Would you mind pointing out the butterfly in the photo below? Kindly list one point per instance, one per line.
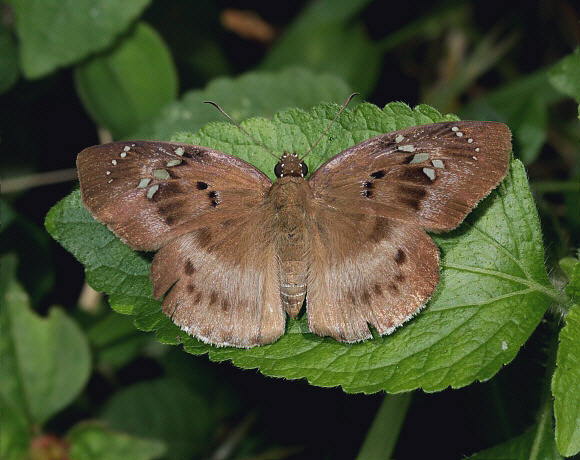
(236, 252)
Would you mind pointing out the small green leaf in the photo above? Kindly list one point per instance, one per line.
(567, 265)
(92, 441)
(573, 287)
(535, 443)
(249, 95)
(129, 84)
(45, 361)
(8, 60)
(54, 34)
(566, 384)
(172, 413)
(493, 293)
(328, 37)
(565, 75)
(14, 430)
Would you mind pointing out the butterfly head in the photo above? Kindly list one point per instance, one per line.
(290, 166)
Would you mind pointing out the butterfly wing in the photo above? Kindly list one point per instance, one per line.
(204, 209)
(382, 267)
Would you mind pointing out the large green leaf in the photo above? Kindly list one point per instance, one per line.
(566, 380)
(173, 413)
(493, 293)
(130, 83)
(92, 441)
(249, 95)
(46, 362)
(54, 33)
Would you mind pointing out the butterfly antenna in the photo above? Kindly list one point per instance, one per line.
(330, 125)
(238, 125)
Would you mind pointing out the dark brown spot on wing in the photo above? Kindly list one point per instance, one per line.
(201, 185)
(204, 237)
(190, 288)
(415, 175)
(213, 298)
(351, 296)
(400, 256)
(194, 152)
(214, 198)
(224, 304)
(377, 289)
(188, 268)
(366, 297)
(380, 230)
(378, 174)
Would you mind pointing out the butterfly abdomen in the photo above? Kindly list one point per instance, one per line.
(290, 199)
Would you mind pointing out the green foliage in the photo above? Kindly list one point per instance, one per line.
(129, 84)
(83, 381)
(54, 34)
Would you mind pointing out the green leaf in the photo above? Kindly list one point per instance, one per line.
(129, 84)
(14, 430)
(565, 75)
(523, 105)
(535, 443)
(252, 94)
(8, 60)
(54, 34)
(92, 441)
(45, 361)
(162, 409)
(567, 265)
(327, 36)
(573, 287)
(493, 293)
(566, 384)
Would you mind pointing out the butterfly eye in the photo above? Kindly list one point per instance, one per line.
(278, 170)
(303, 169)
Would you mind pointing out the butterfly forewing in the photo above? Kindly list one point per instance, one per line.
(435, 173)
(150, 192)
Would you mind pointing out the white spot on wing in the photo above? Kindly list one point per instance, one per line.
(161, 174)
(179, 151)
(127, 148)
(175, 162)
(419, 158)
(438, 164)
(143, 183)
(430, 173)
(399, 138)
(406, 148)
(152, 191)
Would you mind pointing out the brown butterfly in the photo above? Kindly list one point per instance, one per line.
(237, 252)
